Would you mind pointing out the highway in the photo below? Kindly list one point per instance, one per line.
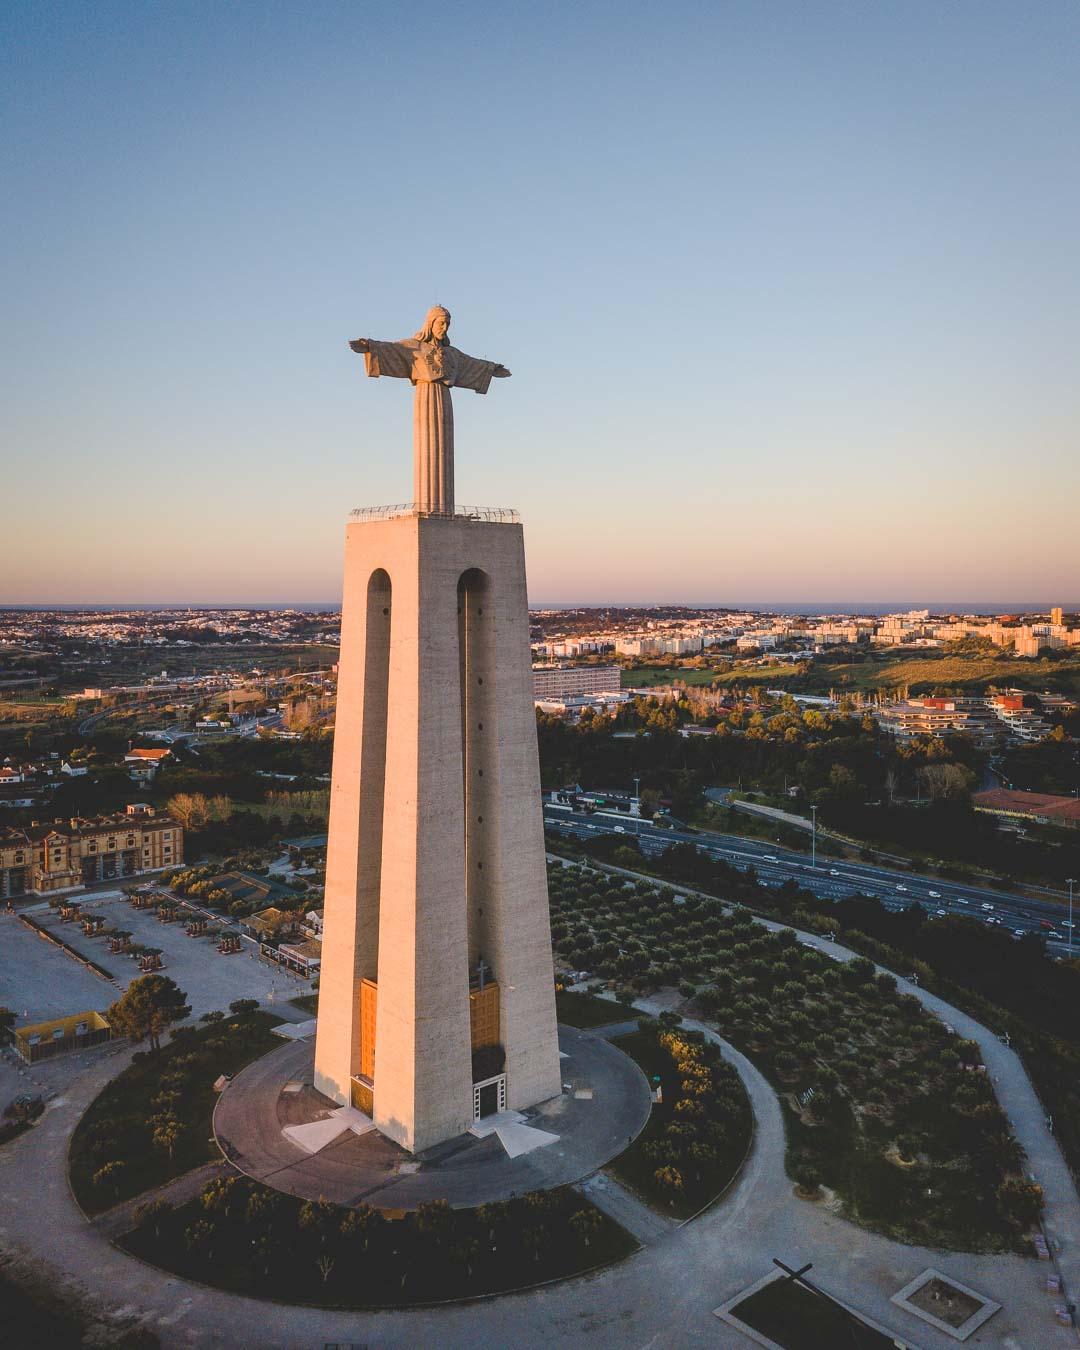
(833, 879)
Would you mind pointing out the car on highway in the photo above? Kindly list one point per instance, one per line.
(833, 872)
(769, 858)
(934, 895)
(961, 901)
(986, 907)
(1067, 923)
(1018, 932)
(942, 913)
(901, 888)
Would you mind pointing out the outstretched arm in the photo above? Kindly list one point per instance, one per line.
(385, 358)
(472, 373)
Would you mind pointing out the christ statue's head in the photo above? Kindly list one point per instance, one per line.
(435, 325)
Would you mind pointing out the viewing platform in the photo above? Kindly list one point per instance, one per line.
(501, 515)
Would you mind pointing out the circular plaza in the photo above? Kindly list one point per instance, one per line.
(273, 1126)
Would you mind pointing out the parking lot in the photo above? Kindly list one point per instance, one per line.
(40, 981)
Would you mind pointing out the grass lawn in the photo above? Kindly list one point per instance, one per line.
(638, 677)
(248, 1239)
(878, 671)
(798, 1319)
(117, 1126)
(969, 673)
(724, 1128)
(586, 1010)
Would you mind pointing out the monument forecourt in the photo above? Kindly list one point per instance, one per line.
(436, 1001)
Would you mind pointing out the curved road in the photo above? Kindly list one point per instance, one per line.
(835, 879)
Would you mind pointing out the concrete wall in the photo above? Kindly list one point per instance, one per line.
(435, 719)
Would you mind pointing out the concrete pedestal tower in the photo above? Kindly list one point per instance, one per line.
(436, 999)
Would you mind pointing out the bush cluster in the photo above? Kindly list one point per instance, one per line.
(243, 1236)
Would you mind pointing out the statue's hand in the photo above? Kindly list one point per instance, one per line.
(500, 372)
(359, 344)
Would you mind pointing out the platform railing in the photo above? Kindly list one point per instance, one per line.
(503, 515)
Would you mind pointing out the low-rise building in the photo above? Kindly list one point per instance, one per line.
(43, 1040)
(143, 765)
(939, 717)
(1041, 807)
(304, 958)
(268, 922)
(66, 855)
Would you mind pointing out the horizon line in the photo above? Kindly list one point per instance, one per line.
(938, 606)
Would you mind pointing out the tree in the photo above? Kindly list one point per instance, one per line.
(1020, 1201)
(262, 1205)
(489, 1216)
(586, 1224)
(149, 1004)
(434, 1219)
(536, 1238)
(668, 1177)
(167, 1135)
(464, 1252)
(807, 1178)
(191, 809)
(110, 1175)
(317, 1216)
(218, 1196)
(325, 1264)
(199, 1237)
(361, 1222)
(243, 1005)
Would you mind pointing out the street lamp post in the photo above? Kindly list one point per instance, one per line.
(813, 839)
(1070, 882)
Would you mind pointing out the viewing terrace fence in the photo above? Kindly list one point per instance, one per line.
(499, 515)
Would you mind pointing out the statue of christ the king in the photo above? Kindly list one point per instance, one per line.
(429, 362)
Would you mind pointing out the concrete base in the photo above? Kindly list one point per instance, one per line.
(552, 1144)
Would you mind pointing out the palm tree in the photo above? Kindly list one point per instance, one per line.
(167, 1135)
(586, 1223)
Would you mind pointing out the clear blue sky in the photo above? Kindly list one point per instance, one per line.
(790, 292)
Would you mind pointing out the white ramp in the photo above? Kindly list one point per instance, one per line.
(316, 1134)
(515, 1136)
(295, 1031)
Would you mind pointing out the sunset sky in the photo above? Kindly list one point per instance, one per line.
(789, 291)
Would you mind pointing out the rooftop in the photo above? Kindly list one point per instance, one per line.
(1042, 804)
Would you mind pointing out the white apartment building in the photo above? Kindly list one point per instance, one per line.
(556, 684)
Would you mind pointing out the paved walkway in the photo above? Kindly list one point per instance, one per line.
(621, 1204)
(119, 1220)
(662, 1297)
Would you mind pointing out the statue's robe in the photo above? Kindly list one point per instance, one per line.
(432, 368)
